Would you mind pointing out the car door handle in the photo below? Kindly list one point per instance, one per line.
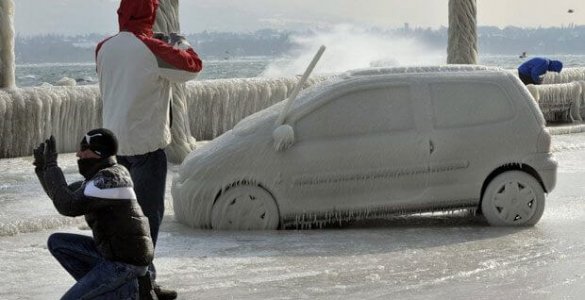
(431, 146)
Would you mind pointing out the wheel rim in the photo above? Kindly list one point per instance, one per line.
(514, 202)
(245, 208)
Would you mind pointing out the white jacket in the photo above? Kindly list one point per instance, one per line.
(135, 72)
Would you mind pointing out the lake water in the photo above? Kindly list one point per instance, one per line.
(245, 67)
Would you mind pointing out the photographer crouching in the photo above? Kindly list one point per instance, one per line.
(112, 264)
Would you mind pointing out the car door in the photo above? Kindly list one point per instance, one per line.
(361, 150)
(471, 120)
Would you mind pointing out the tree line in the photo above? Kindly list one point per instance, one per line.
(268, 42)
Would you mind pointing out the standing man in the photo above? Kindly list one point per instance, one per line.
(113, 263)
(531, 70)
(135, 70)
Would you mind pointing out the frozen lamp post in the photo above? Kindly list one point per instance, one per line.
(462, 48)
(167, 20)
(7, 77)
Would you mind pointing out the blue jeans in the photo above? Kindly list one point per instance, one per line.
(149, 174)
(97, 277)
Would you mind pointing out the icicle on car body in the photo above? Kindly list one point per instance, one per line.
(377, 142)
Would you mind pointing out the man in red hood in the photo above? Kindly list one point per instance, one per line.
(135, 72)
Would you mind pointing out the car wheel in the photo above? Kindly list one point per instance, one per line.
(245, 207)
(513, 198)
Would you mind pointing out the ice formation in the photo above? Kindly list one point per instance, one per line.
(167, 21)
(462, 47)
(7, 66)
(561, 101)
(29, 115)
(215, 106)
(363, 147)
(66, 81)
(565, 76)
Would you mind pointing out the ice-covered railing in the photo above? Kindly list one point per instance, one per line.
(215, 106)
(565, 76)
(561, 96)
(29, 115)
(561, 101)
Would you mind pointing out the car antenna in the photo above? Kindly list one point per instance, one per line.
(297, 88)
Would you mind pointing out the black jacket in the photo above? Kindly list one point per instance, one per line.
(120, 229)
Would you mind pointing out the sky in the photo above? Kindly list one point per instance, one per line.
(71, 17)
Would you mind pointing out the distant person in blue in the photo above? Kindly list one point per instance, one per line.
(531, 70)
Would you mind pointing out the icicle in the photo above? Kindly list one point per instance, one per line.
(565, 76)
(212, 107)
(560, 101)
(182, 143)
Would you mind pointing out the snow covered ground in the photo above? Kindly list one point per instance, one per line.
(441, 256)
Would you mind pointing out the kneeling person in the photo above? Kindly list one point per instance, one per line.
(114, 262)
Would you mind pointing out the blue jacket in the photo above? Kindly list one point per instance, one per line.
(538, 66)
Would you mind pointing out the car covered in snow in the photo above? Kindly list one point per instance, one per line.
(376, 142)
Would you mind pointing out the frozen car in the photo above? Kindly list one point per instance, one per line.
(376, 142)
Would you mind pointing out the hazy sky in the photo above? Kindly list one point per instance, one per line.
(87, 16)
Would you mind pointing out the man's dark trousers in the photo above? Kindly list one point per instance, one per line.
(149, 174)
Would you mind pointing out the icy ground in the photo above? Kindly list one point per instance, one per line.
(452, 256)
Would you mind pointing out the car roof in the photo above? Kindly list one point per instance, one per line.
(376, 71)
(358, 76)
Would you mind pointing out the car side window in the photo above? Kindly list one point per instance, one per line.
(469, 103)
(362, 112)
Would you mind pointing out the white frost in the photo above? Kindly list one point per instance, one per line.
(462, 47)
(30, 115)
(559, 102)
(565, 76)
(7, 58)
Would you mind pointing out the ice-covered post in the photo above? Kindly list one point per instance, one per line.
(7, 77)
(462, 48)
(167, 20)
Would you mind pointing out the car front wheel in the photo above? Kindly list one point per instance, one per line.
(245, 207)
(513, 198)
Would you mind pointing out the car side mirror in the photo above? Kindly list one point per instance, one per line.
(284, 137)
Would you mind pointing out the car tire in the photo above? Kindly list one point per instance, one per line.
(245, 207)
(513, 198)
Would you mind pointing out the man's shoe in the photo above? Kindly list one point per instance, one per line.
(164, 294)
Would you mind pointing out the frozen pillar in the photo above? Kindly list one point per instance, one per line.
(462, 48)
(7, 77)
(167, 20)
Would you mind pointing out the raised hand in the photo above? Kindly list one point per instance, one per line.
(39, 156)
(50, 153)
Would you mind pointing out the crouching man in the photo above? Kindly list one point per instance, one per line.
(112, 264)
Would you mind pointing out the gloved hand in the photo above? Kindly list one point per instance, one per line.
(162, 36)
(50, 153)
(179, 41)
(39, 155)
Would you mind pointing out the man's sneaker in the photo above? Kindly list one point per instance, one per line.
(164, 294)
(145, 290)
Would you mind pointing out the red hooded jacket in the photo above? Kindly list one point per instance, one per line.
(138, 17)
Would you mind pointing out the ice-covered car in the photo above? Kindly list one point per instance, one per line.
(376, 142)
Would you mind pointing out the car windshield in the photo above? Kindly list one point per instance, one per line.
(323, 84)
(320, 84)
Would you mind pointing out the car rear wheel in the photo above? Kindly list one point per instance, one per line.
(245, 207)
(513, 198)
